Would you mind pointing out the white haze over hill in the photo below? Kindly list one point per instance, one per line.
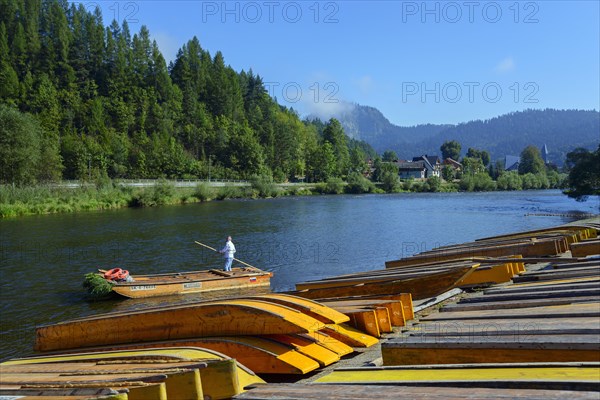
(325, 110)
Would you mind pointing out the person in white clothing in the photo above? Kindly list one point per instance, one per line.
(228, 251)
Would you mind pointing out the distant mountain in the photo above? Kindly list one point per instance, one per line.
(369, 124)
(508, 134)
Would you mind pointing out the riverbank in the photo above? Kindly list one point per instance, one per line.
(69, 198)
(51, 199)
(16, 201)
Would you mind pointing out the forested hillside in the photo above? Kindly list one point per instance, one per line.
(561, 130)
(101, 101)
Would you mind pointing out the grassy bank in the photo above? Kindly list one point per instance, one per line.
(31, 200)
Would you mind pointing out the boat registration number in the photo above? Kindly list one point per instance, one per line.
(192, 285)
(143, 287)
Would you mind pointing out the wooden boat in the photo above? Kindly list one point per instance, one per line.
(393, 307)
(308, 347)
(357, 390)
(349, 335)
(260, 355)
(516, 346)
(65, 394)
(309, 307)
(176, 372)
(526, 247)
(421, 287)
(191, 282)
(533, 375)
(220, 318)
(405, 300)
(586, 248)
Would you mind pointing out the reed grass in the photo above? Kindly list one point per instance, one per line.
(97, 287)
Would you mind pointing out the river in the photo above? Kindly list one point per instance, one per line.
(43, 258)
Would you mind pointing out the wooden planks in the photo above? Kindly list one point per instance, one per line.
(538, 321)
(585, 248)
(394, 392)
(174, 373)
(557, 376)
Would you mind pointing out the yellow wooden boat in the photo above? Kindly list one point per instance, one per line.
(219, 377)
(180, 379)
(394, 307)
(258, 354)
(142, 286)
(349, 335)
(475, 347)
(533, 375)
(309, 307)
(421, 287)
(330, 343)
(308, 347)
(64, 394)
(233, 317)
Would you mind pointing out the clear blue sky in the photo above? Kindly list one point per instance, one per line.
(417, 62)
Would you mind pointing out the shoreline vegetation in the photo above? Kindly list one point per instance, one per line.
(16, 201)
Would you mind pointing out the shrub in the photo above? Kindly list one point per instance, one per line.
(204, 192)
(480, 182)
(510, 181)
(264, 185)
(530, 181)
(163, 191)
(390, 181)
(229, 192)
(334, 186)
(359, 184)
(434, 184)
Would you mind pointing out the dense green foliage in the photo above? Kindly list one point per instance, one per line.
(98, 101)
(389, 155)
(483, 155)
(584, 175)
(20, 147)
(531, 161)
(450, 149)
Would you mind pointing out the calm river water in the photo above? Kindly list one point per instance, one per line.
(43, 259)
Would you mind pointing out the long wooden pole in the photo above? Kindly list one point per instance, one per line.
(216, 251)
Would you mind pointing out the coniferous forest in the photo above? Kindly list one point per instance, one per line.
(80, 100)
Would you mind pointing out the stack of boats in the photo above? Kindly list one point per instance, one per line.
(535, 337)
(273, 333)
(152, 374)
(529, 330)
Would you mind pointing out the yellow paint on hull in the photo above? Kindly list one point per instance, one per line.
(364, 320)
(489, 275)
(219, 367)
(57, 394)
(564, 373)
(150, 392)
(257, 354)
(351, 336)
(332, 344)
(235, 317)
(309, 307)
(308, 347)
